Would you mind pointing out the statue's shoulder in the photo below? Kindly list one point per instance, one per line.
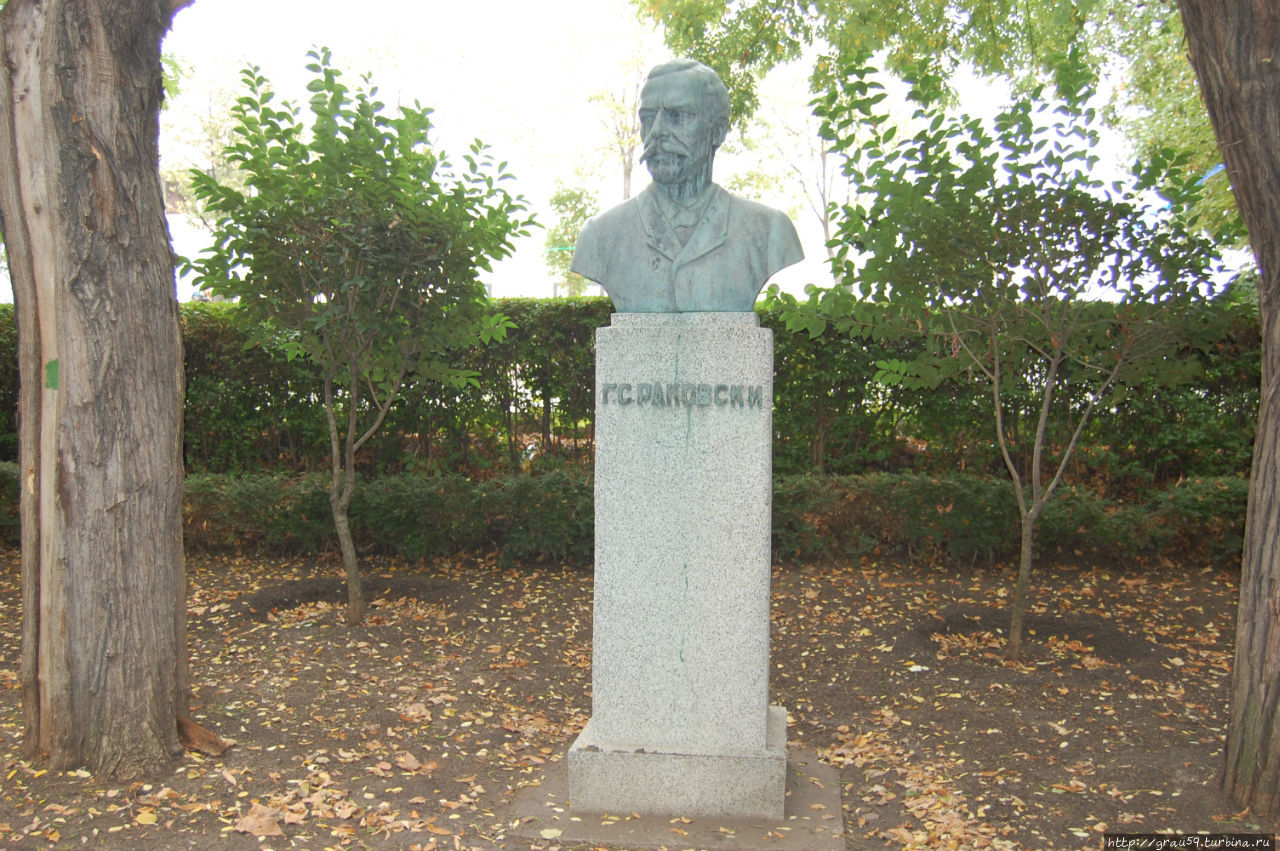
(604, 238)
(773, 229)
(613, 221)
(755, 210)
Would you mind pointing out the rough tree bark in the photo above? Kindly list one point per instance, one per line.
(100, 357)
(1235, 50)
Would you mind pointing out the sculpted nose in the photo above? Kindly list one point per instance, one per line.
(659, 126)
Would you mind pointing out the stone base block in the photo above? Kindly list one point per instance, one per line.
(729, 785)
(683, 490)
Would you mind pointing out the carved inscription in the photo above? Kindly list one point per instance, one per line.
(658, 395)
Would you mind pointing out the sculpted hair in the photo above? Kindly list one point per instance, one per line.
(714, 93)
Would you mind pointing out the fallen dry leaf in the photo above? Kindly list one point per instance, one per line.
(260, 821)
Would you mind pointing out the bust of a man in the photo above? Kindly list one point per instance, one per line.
(684, 244)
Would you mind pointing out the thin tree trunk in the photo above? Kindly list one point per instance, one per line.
(546, 414)
(1013, 650)
(100, 356)
(1235, 50)
(342, 521)
(342, 485)
(818, 442)
(341, 503)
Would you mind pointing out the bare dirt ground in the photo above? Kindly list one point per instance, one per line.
(468, 682)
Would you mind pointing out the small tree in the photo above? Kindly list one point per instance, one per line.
(620, 110)
(1012, 265)
(360, 246)
(573, 205)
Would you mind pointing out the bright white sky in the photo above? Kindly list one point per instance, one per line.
(517, 74)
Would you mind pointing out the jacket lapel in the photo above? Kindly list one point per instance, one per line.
(711, 232)
(657, 233)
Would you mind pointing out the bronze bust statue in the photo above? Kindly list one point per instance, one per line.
(684, 244)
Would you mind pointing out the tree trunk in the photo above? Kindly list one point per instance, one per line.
(546, 413)
(1013, 650)
(342, 487)
(1235, 50)
(818, 441)
(100, 357)
(340, 501)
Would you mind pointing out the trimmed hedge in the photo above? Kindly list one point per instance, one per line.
(956, 518)
(251, 410)
(532, 407)
(522, 518)
(969, 519)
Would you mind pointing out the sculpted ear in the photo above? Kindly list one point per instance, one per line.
(718, 133)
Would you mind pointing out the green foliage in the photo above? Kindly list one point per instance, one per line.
(10, 520)
(1205, 516)
(990, 246)
(546, 517)
(1158, 106)
(358, 247)
(955, 516)
(542, 377)
(743, 41)
(173, 71)
(248, 407)
(357, 244)
(203, 122)
(521, 518)
(421, 516)
(572, 206)
(962, 519)
(825, 419)
(268, 513)
(1154, 433)
(996, 247)
(9, 384)
(1081, 518)
(740, 41)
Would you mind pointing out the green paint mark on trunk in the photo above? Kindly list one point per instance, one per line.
(51, 374)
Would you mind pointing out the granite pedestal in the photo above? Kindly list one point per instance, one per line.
(681, 722)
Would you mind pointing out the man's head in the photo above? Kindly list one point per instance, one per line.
(684, 117)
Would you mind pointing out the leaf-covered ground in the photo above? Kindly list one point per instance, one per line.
(468, 681)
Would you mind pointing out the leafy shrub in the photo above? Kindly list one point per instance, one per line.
(550, 516)
(522, 518)
(1072, 515)
(9, 385)
(956, 519)
(963, 519)
(419, 516)
(250, 409)
(10, 522)
(957, 516)
(269, 513)
(1204, 516)
(803, 508)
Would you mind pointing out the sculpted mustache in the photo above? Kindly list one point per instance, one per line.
(651, 151)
